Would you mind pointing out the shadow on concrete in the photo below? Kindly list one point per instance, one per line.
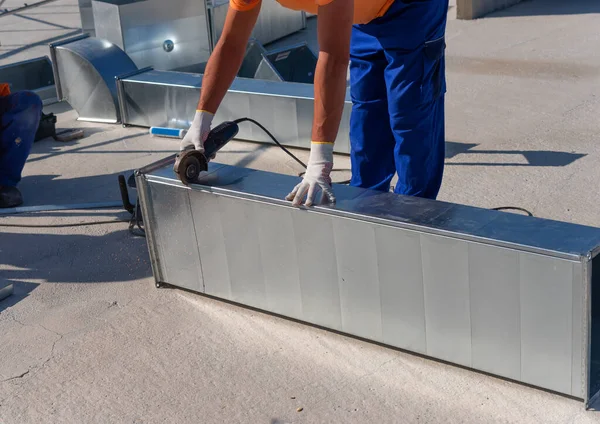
(549, 7)
(57, 108)
(49, 144)
(551, 70)
(54, 190)
(112, 257)
(20, 291)
(41, 21)
(533, 157)
(50, 148)
(13, 52)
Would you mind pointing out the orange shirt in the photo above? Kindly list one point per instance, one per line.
(4, 89)
(364, 10)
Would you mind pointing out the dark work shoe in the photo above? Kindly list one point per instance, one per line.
(10, 197)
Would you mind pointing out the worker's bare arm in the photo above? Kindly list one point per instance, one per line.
(226, 59)
(334, 28)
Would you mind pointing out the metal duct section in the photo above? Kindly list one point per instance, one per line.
(169, 99)
(274, 21)
(506, 294)
(166, 35)
(84, 72)
(86, 13)
(33, 75)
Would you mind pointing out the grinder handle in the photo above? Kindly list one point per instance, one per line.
(219, 136)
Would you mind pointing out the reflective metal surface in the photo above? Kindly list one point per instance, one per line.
(274, 21)
(144, 28)
(501, 293)
(86, 14)
(252, 59)
(84, 70)
(266, 71)
(33, 75)
(504, 294)
(6, 289)
(169, 99)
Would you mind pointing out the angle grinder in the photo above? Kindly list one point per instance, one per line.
(190, 163)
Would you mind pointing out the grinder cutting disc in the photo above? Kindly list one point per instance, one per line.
(188, 166)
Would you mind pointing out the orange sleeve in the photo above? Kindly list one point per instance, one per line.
(243, 5)
(323, 2)
(4, 89)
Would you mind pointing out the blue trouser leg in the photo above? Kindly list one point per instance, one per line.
(397, 86)
(19, 120)
(371, 137)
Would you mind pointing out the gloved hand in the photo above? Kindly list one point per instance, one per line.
(317, 176)
(198, 132)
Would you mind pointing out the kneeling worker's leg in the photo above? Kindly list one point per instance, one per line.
(19, 122)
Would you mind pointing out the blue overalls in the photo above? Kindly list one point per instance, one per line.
(20, 115)
(397, 78)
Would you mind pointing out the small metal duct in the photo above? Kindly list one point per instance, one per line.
(274, 21)
(84, 72)
(33, 75)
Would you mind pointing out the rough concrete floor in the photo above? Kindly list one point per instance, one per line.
(86, 338)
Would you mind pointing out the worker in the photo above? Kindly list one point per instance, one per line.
(397, 84)
(20, 114)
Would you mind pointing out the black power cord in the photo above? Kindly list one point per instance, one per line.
(258, 124)
(290, 154)
(512, 208)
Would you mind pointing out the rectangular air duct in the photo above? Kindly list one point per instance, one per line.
(506, 294)
(274, 21)
(33, 75)
(169, 99)
(165, 35)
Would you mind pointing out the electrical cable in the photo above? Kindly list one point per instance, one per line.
(238, 121)
(290, 154)
(513, 208)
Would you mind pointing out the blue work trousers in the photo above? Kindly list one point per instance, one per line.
(20, 115)
(397, 77)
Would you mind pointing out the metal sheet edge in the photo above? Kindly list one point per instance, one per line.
(587, 333)
(366, 218)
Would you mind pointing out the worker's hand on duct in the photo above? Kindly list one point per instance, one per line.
(317, 176)
(198, 132)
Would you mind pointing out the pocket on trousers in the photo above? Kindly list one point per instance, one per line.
(433, 84)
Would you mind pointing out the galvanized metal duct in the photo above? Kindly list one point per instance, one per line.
(33, 75)
(166, 35)
(496, 292)
(169, 99)
(84, 72)
(274, 21)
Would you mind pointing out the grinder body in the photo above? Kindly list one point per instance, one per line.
(190, 163)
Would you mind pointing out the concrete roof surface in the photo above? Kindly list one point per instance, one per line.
(87, 338)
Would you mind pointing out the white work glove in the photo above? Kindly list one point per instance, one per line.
(317, 176)
(198, 132)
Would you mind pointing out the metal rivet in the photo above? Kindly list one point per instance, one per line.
(168, 46)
